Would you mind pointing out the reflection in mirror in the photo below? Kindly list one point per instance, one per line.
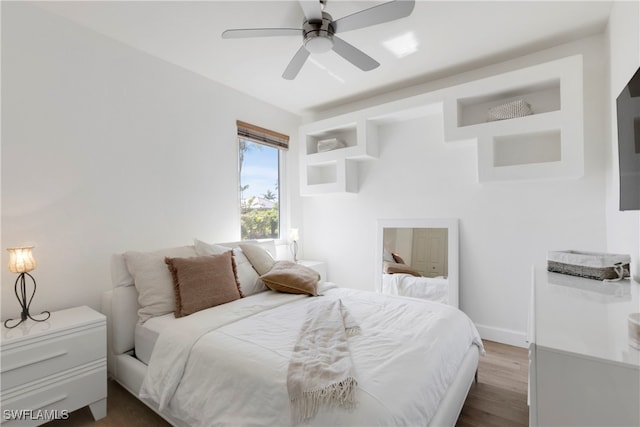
(418, 258)
(422, 250)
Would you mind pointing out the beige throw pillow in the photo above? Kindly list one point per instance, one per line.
(248, 278)
(259, 257)
(153, 281)
(292, 278)
(203, 282)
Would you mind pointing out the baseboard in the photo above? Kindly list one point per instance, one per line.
(504, 336)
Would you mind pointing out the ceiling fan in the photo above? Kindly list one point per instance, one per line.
(319, 32)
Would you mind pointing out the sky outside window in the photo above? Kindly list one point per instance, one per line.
(259, 171)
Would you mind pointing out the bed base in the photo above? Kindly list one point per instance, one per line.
(129, 372)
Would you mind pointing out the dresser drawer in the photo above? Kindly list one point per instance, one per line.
(39, 359)
(39, 403)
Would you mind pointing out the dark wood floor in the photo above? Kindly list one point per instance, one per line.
(498, 399)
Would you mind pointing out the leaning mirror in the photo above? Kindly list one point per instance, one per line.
(418, 258)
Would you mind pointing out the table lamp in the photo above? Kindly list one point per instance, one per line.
(21, 261)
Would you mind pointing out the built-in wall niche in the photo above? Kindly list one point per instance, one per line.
(339, 176)
(347, 134)
(335, 171)
(547, 144)
(543, 97)
(322, 174)
(528, 148)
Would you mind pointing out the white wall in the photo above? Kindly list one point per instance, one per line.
(623, 37)
(105, 149)
(504, 226)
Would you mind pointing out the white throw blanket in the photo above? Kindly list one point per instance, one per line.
(321, 369)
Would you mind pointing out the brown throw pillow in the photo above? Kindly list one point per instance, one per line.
(292, 278)
(203, 282)
(397, 258)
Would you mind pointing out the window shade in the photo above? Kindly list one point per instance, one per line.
(262, 135)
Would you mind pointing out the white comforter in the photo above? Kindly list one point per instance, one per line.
(227, 365)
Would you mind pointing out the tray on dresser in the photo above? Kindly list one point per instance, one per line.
(591, 265)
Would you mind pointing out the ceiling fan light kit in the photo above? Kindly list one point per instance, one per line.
(318, 35)
(319, 29)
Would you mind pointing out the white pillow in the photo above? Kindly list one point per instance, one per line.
(259, 257)
(250, 283)
(153, 280)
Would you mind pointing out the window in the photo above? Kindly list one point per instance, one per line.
(259, 181)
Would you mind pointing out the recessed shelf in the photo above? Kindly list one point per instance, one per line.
(542, 97)
(348, 135)
(322, 174)
(338, 177)
(528, 148)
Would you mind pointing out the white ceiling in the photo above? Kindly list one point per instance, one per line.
(453, 36)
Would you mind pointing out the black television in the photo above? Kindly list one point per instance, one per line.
(628, 111)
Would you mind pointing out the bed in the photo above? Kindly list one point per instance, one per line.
(414, 360)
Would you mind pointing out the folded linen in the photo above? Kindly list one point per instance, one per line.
(321, 369)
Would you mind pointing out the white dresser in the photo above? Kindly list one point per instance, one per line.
(50, 368)
(583, 372)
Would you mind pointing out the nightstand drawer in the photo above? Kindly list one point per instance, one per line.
(36, 360)
(56, 397)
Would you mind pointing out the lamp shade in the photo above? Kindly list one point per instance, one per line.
(294, 235)
(21, 259)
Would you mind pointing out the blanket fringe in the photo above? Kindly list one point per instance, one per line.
(341, 394)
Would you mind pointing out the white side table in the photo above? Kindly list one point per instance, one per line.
(319, 266)
(51, 368)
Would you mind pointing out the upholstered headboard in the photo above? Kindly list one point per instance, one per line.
(123, 310)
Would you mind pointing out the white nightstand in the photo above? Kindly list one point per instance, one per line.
(319, 266)
(50, 368)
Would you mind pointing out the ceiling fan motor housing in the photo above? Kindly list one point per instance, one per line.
(318, 35)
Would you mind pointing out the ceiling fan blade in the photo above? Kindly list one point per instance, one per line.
(354, 55)
(296, 63)
(311, 9)
(261, 32)
(384, 12)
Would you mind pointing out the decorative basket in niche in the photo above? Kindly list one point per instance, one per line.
(330, 144)
(509, 110)
(590, 265)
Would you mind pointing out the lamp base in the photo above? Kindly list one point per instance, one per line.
(24, 304)
(294, 250)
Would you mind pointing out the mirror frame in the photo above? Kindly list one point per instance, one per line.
(451, 224)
